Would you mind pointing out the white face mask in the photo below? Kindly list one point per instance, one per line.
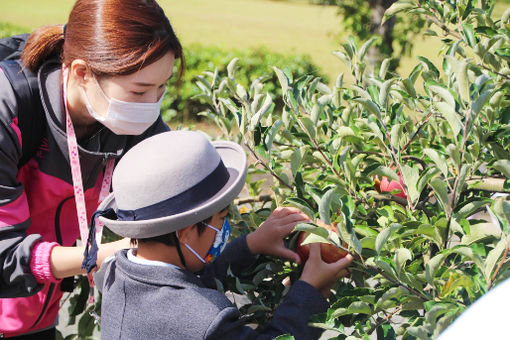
(126, 118)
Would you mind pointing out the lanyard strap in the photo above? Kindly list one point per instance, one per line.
(74, 161)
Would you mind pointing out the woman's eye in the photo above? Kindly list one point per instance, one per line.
(138, 93)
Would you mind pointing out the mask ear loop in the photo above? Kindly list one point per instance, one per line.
(178, 246)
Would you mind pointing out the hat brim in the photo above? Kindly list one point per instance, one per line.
(234, 158)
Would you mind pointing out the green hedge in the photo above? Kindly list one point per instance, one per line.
(8, 30)
(253, 63)
(180, 103)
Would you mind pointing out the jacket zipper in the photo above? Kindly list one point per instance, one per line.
(59, 240)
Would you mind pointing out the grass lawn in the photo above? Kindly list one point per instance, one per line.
(293, 27)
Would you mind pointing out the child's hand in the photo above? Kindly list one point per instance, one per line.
(268, 238)
(323, 275)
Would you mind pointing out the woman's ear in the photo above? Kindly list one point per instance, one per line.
(79, 72)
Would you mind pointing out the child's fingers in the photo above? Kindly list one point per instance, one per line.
(343, 273)
(289, 221)
(343, 263)
(289, 254)
(315, 252)
(284, 211)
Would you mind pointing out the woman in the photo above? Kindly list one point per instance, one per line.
(101, 79)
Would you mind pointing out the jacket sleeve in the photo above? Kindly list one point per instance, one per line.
(16, 278)
(291, 317)
(235, 256)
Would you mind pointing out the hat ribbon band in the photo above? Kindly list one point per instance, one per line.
(187, 200)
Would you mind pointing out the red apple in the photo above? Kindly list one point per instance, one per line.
(329, 253)
(384, 185)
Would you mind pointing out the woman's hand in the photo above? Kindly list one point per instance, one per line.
(323, 275)
(268, 238)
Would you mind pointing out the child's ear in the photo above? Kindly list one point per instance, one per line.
(186, 234)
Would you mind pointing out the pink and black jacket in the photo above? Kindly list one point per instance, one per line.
(37, 207)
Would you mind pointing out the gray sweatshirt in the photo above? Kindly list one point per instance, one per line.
(152, 302)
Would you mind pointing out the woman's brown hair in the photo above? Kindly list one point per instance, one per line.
(114, 37)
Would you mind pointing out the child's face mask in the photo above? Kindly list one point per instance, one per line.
(219, 243)
(126, 118)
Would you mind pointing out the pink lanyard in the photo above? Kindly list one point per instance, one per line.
(74, 160)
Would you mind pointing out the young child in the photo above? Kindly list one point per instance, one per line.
(171, 193)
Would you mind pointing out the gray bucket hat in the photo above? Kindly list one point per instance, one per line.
(172, 180)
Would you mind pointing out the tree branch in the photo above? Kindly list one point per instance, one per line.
(499, 267)
(268, 168)
(386, 319)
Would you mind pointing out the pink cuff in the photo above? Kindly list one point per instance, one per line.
(40, 262)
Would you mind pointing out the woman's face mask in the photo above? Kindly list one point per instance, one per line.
(125, 118)
(218, 245)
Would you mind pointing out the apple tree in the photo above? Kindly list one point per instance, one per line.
(430, 246)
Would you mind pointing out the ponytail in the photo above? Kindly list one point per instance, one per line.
(43, 43)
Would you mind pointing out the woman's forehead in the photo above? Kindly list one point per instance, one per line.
(155, 74)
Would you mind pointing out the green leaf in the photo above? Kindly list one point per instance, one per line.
(384, 68)
(451, 116)
(409, 87)
(385, 91)
(312, 229)
(503, 165)
(469, 208)
(363, 50)
(295, 160)
(343, 57)
(441, 191)
(369, 105)
(401, 256)
(425, 178)
(301, 205)
(315, 114)
(396, 135)
(387, 269)
(502, 210)
(397, 7)
(324, 205)
(411, 177)
(314, 238)
(375, 129)
(462, 178)
(383, 236)
(282, 78)
(309, 126)
(480, 102)
(268, 103)
(463, 82)
(231, 68)
(272, 133)
(418, 332)
(384, 171)
(433, 265)
(438, 160)
(359, 307)
(392, 293)
(430, 66)
(493, 257)
(285, 337)
(444, 94)
(453, 151)
(345, 131)
(469, 34)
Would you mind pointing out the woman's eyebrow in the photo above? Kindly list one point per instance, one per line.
(149, 84)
